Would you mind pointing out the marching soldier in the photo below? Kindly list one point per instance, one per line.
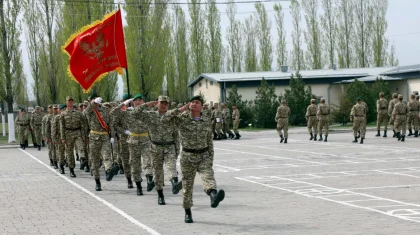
(322, 114)
(56, 137)
(282, 119)
(414, 112)
(206, 110)
(311, 119)
(217, 118)
(46, 133)
(22, 122)
(236, 119)
(358, 116)
(417, 118)
(399, 114)
(197, 154)
(226, 121)
(36, 125)
(390, 110)
(381, 109)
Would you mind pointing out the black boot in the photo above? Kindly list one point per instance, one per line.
(239, 135)
(188, 216)
(315, 137)
(62, 169)
(176, 186)
(109, 174)
(139, 189)
(355, 139)
(77, 157)
(55, 165)
(410, 132)
(416, 134)
(72, 175)
(399, 136)
(236, 136)
(43, 143)
(403, 138)
(98, 185)
(385, 134)
(129, 183)
(26, 143)
(216, 197)
(83, 163)
(87, 169)
(320, 138)
(39, 147)
(395, 134)
(121, 170)
(150, 183)
(161, 198)
(379, 133)
(361, 140)
(218, 137)
(231, 136)
(326, 138)
(281, 139)
(358, 134)
(214, 136)
(285, 140)
(224, 137)
(312, 137)
(51, 162)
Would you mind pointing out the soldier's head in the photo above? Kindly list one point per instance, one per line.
(196, 103)
(92, 96)
(69, 102)
(22, 111)
(223, 105)
(138, 100)
(394, 95)
(417, 97)
(381, 95)
(50, 109)
(62, 108)
(283, 102)
(126, 96)
(163, 104)
(81, 107)
(400, 97)
(37, 109)
(322, 101)
(412, 96)
(313, 101)
(55, 109)
(216, 105)
(359, 99)
(234, 107)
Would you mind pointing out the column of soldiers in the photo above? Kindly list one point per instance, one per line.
(221, 119)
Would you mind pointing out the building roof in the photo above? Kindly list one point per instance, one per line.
(371, 79)
(403, 69)
(306, 74)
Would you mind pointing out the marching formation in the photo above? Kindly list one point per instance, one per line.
(135, 137)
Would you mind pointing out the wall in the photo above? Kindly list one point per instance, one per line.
(399, 87)
(211, 92)
(414, 85)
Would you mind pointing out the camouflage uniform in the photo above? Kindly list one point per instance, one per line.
(226, 121)
(399, 114)
(56, 139)
(390, 110)
(36, 125)
(236, 115)
(22, 122)
(322, 113)
(413, 107)
(381, 109)
(282, 119)
(46, 133)
(358, 116)
(311, 120)
(217, 118)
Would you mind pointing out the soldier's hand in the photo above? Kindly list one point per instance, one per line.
(152, 103)
(63, 141)
(127, 132)
(127, 102)
(185, 107)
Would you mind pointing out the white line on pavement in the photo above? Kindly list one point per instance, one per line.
(383, 187)
(112, 207)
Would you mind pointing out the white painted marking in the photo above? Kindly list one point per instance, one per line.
(394, 173)
(382, 187)
(229, 168)
(112, 207)
(363, 200)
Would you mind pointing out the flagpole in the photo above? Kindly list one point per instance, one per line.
(128, 82)
(126, 69)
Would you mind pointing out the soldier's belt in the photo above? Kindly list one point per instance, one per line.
(203, 150)
(163, 143)
(139, 134)
(283, 117)
(384, 108)
(73, 129)
(23, 124)
(359, 115)
(413, 110)
(38, 124)
(99, 132)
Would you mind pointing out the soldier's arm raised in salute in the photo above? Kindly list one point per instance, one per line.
(141, 113)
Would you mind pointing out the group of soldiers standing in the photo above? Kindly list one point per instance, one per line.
(144, 136)
(30, 124)
(221, 118)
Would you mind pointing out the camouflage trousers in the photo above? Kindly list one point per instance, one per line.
(283, 125)
(226, 128)
(391, 122)
(323, 125)
(413, 120)
(51, 150)
(23, 134)
(124, 155)
(190, 164)
(139, 157)
(99, 145)
(218, 127)
(163, 154)
(59, 149)
(235, 126)
(359, 123)
(382, 117)
(312, 125)
(400, 124)
(38, 135)
(73, 138)
(213, 126)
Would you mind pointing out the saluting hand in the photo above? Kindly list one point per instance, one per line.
(152, 103)
(183, 108)
(127, 102)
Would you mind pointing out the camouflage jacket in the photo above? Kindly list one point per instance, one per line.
(391, 106)
(55, 127)
(206, 112)
(217, 113)
(46, 125)
(311, 110)
(119, 120)
(36, 120)
(381, 104)
(323, 110)
(22, 120)
(400, 109)
(283, 111)
(236, 115)
(226, 115)
(93, 122)
(413, 106)
(358, 110)
(73, 119)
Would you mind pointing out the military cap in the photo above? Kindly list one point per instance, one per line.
(81, 105)
(69, 98)
(359, 98)
(92, 95)
(197, 97)
(381, 94)
(126, 96)
(163, 98)
(37, 107)
(400, 96)
(85, 103)
(138, 96)
(63, 106)
(313, 100)
(50, 106)
(283, 101)
(322, 99)
(55, 106)
(394, 95)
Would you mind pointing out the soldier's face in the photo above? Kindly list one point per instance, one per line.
(50, 110)
(163, 106)
(196, 105)
(37, 111)
(138, 102)
(234, 107)
(81, 108)
(55, 111)
(70, 103)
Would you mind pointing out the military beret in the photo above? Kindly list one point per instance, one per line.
(400, 96)
(126, 96)
(69, 98)
(359, 98)
(138, 96)
(50, 106)
(197, 97)
(63, 106)
(163, 98)
(81, 105)
(92, 95)
(85, 103)
(55, 106)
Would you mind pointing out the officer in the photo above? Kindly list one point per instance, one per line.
(282, 119)
(311, 119)
(381, 109)
(358, 116)
(22, 123)
(322, 114)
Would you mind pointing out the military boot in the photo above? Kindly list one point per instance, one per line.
(395, 134)
(416, 134)
(83, 163)
(315, 137)
(312, 137)
(239, 135)
(39, 147)
(410, 132)
(216, 197)
(161, 198)
(129, 182)
(87, 169)
(403, 138)
(139, 189)
(285, 140)
(355, 139)
(109, 174)
(219, 137)
(361, 140)
(224, 137)
(188, 216)
(236, 136)
(379, 133)
(385, 134)
(176, 186)
(26, 143)
(399, 136)
(326, 138)
(77, 157)
(51, 162)
(62, 169)
(320, 137)
(281, 139)
(231, 136)
(150, 183)
(214, 136)
(98, 185)
(72, 175)
(43, 143)
(121, 170)
(358, 134)
(55, 165)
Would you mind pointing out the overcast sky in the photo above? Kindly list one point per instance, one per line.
(403, 30)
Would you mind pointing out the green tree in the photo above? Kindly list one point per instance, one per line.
(281, 36)
(298, 60)
(234, 38)
(341, 112)
(263, 29)
(313, 35)
(235, 99)
(197, 37)
(250, 45)
(298, 98)
(380, 86)
(215, 37)
(358, 88)
(266, 104)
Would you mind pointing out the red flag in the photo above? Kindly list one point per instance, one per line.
(96, 50)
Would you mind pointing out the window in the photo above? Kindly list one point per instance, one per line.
(199, 84)
(211, 83)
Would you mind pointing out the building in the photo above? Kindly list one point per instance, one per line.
(326, 83)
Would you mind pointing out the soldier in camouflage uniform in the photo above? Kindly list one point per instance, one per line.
(322, 114)
(59, 147)
(197, 154)
(282, 119)
(206, 111)
(417, 118)
(36, 125)
(311, 119)
(236, 115)
(391, 105)
(72, 131)
(22, 122)
(381, 109)
(358, 116)
(413, 107)
(161, 132)
(217, 118)
(46, 134)
(226, 121)
(399, 114)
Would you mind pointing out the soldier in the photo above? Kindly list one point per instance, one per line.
(226, 121)
(46, 134)
(206, 110)
(311, 119)
(364, 126)
(213, 123)
(161, 132)
(197, 154)
(358, 116)
(413, 113)
(22, 122)
(81, 108)
(391, 105)
(381, 109)
(72, 131)
(416, 118)
(322, 114)
(217, 121)
(236, 119)
(399, 114)
(282, 119)
(36, 125)
(55, 136)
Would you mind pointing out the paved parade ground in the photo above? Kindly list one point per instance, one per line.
(303, 187)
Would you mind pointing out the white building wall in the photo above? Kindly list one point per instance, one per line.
(414, 85)
(211, 92)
